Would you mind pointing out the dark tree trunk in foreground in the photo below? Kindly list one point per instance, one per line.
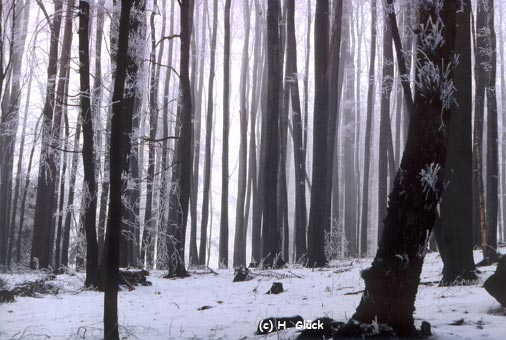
(181, 174)
(454, 233)
(209, 130)
(391, 283)
(223, 251)
(120, 126)
(89, 185)
(45, 185)
(297, 134)
(368, 128)
(317, 218)
(271, 232)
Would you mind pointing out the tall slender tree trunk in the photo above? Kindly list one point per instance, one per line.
(8, 129)
(299, 155)
(209, 132)
(271, 231)
(240, 222)
(45, 185)
(89, 184)
(386, 88)
(368, 133)
(316, 228)
(149, 220)
(492, 198)
(333, 108)
(258, 106)
(223, 251)
(121, 123)
(181, 175)
(96, 107)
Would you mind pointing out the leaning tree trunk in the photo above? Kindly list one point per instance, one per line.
(391, 282)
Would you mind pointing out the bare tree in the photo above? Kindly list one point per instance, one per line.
(209, 131)
(223, 251)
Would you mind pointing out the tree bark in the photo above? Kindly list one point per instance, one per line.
(118, 158)
(317, 218)
(209, 132)
(45, 185)
(240, 222)
(271, 233)
(181, 175)
(89, 184)
(300, 218)
(454, 233)
(223, 251)
(368, 133)
(386, 88)
(391, 283)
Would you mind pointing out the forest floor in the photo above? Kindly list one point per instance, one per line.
(169, 309)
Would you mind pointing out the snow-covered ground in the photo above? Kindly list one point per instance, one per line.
(169, 309)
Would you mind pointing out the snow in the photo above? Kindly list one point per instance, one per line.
(169, 308)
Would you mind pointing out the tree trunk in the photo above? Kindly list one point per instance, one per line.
(223, 251)
(257, 181)
(89, 183)
(209, 131)
(348, 136)
(181, 175)
(391, 283)
(368, 133)
(490, 252)
(271, 231)
(147, 245)
(454, 234)
(317, 218)
(386, 88)
(300, 220)
(121, 123)
(240, 222)
(45, 185)
(9, 123)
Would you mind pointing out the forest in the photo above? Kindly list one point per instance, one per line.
(163, 164)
